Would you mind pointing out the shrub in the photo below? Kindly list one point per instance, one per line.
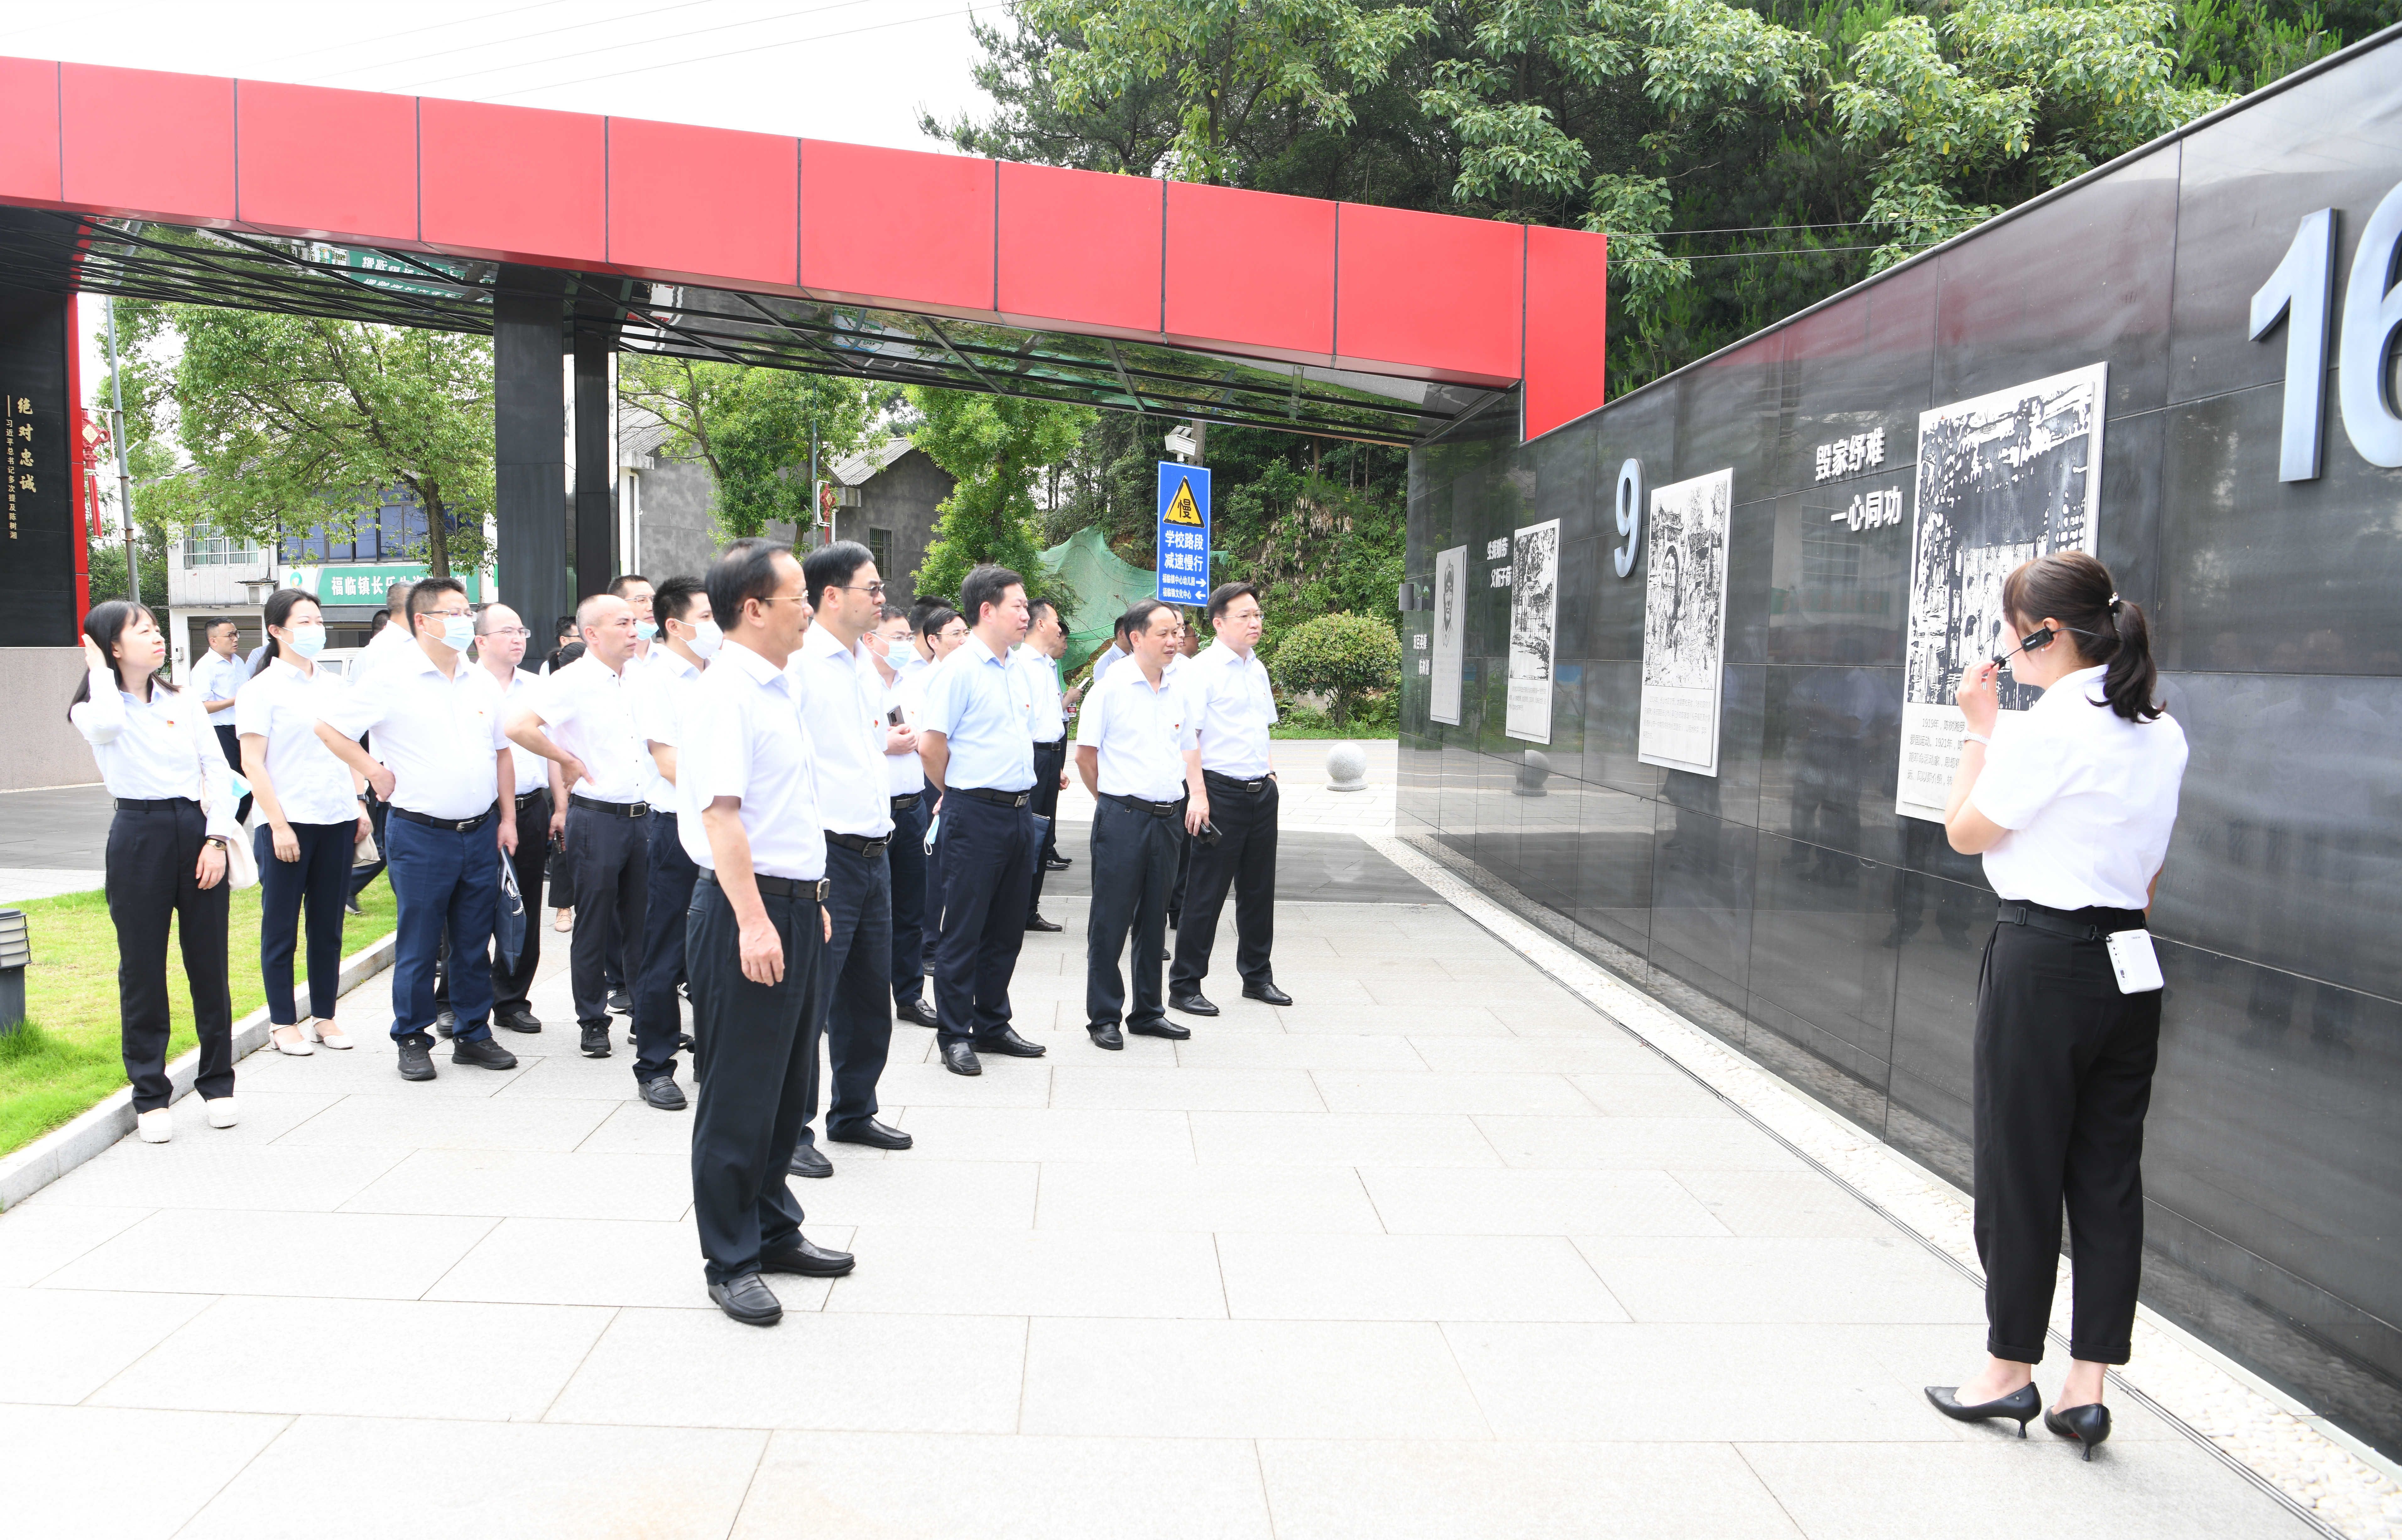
(1339, 655)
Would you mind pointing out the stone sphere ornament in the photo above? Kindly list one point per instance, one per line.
(1347, 768)
(1533, 771)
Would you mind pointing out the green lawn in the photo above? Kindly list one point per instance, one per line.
(66, 1056)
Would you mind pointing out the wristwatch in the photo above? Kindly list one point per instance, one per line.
(219, 841)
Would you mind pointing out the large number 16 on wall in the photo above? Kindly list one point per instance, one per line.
(2301, 294)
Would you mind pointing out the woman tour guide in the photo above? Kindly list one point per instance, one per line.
(2071, 804)
(311, 817)
(165, 855)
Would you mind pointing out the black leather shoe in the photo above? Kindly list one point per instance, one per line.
(663, 1094)
(684, 1041)
(1163, 1028)
(1034, 921)
(444, 1024)
(2020, 1406)
(1191, 1003)
(1268, 992)
(748, 1300)
(1011, 1045)
(483, 1053)
(1104, 1034)
(881, 1135)
(810, 1160)
(915, 1011)
(798, 1255)
(961, 1059)
(2089, 1424)
(1057, 863)
(517, 1019)
(621, 1002)
(595, 1041)
(416, 1056)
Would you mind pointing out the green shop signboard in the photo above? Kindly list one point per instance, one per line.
(365, 585)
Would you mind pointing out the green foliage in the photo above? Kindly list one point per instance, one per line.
(752, 427)
(994, 446)
(1341, 655)
(151, 543)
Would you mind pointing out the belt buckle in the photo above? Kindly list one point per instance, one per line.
(820, 889)
(637, 810)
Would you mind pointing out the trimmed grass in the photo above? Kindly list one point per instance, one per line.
(67, 1055)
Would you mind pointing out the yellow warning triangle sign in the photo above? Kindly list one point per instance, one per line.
(1182, 509)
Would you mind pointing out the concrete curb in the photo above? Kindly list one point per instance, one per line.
(61, 1149)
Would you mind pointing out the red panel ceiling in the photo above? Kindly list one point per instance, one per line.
(702, 201)
(148, 142)
(1430, 293)
(514, 181)
(1567, 274)
(29, 128)
(1251, 268)
(1080, 246)
(328, 162)
(900, 225)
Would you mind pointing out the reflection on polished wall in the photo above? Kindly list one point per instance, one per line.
(1785, 905)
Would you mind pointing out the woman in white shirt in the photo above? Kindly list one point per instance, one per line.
(2071, 803)
(311, 819)
(165, 855)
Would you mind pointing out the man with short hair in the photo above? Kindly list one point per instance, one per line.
(446, 770)
(1113, 655)
(589, 709)
(1135, 751)
(391, 643)
(905, 780)
(981, 762)
(663, 697)
(1232, 707)
(758, 930)
(217, 678)
(842, 706)
(1047, 725)
(641, 598)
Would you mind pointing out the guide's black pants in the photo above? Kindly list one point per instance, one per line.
(1244, 858)
(154, 855)
(751, 1072)
(612, 889)
(658, 1016)
(907, 860)
(2062, 1078)
(986, 860)
(321, 877)
(850, 989)
(1049, 760)
(1133, 875)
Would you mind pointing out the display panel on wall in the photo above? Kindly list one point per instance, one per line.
(1450, 633)
(2002, 480)
(1684, 623)
(1534, 629)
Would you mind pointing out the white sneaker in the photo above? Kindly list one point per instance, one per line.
(317, 1030)
(299, 1044)
(155, 1126)
(222, 1112)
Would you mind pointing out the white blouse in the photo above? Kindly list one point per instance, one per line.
(281, 705)
(154, 749)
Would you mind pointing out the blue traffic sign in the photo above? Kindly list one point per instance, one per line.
(1183, 533)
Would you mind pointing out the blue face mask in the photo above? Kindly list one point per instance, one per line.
(458, 632)
(645, 629)
(307, 640)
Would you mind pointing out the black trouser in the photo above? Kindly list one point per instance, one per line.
(659, 1018)
(906, 858)
(511, 984)
(850, 989)
(613, 888)
(154, 855)
(1244, 859)
(379, 814)
(1133, 875)
(987, 861)
(1049, 760)
(321, 876)
(2063, 1075)
(752, 1073)
(232, 741)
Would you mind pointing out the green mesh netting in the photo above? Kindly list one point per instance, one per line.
(1104, 587)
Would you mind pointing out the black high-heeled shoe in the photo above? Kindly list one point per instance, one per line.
(2020, 1406)
(2089, 1424)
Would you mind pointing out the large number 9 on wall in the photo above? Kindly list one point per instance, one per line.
(2301, 294)
(1630, 515)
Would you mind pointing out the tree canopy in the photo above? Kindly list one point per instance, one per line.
(994, 446)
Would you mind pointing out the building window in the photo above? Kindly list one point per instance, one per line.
(205, 547)
(879, 545)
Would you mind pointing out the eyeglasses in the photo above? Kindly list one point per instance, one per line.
(872, 590)
(508, 632)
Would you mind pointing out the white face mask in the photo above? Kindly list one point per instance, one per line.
(307, 640)
(458, 632)
(707, 639)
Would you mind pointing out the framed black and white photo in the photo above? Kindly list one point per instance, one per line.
(1534, 629)
(1450, 633)
(1684, 623)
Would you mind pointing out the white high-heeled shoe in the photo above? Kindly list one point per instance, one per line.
(222, 1112)
(298, 1047)
(326, 1031)
(155, 1126)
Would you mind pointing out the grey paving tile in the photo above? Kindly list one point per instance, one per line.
(637, 1128)
(1031, 1272)
(1601, 1051)
(603, 1263)
(1411, 1278)
(1121, 1198)
(1601, 1144)
(267, 1114)
(1297, 1051)
(927, 1083)
(1186, 1089)
(576, 1078)
(1450, 1091)
(1863, 1280)
(76, 1458)
(38, 1238)
(1414, 1020)
(65, 1343)
(1668, 1095)
(223, 1175)
(511, 1183)
(267, 1251)
(394, 1121)
(1781, 1203)
(1536, 1203)
(1048, 1133)
(371, 1068)
(1339, 1138)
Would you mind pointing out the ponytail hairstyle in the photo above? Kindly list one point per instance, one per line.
(104, 625)
(2077, 591)
(280, 605)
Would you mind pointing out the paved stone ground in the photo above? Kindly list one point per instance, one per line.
(1436, 1252)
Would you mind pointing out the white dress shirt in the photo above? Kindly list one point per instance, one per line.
(220, 678)
(661, 696)
(588, 708)
(1234, 707)
(2088, 797)
(162, 748)
(532, 770)
(281, 705)
(1108, 660)
(1141, 734)
(439, 738)
(1047, 720)
(905, 773)
(979, 704)
(911, 663)
(388, 645)
(743, 738)
(841, 698)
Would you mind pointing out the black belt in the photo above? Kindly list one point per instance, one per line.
(615, 809)
(860, 842)
(999, 799)
(780, 888)
(1228, 783)
(1059, 743)
(154, 804)
(460, 825)
(525, 799)
(908, 801)
(2077, 925)
(1144, 804)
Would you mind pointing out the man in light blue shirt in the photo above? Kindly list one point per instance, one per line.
(215, 678)
(979, 754)
(1038, 657)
